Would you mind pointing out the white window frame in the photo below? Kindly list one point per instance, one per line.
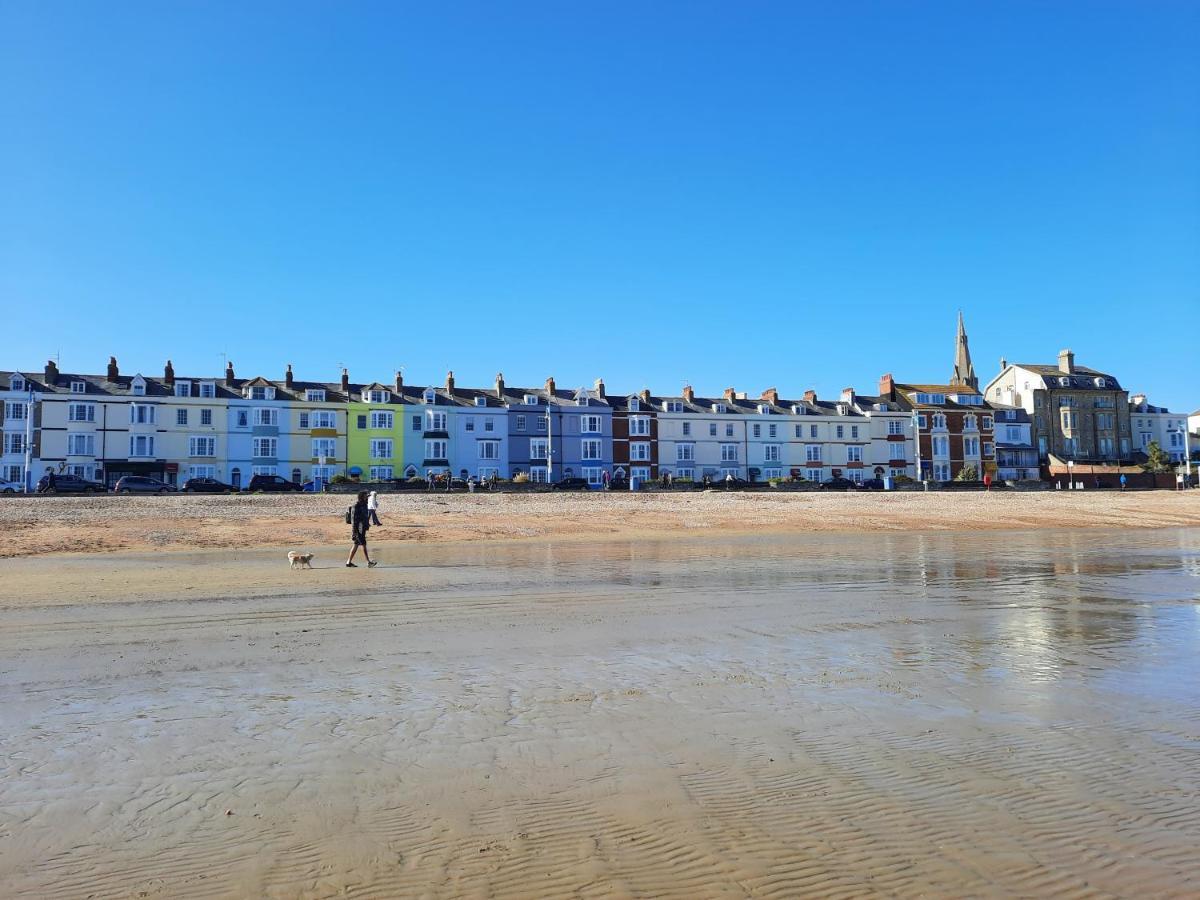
(260, 444)
(143, 441)
(80, 443)
(591, 449)
(74, 410)
(639, 451)
(202, 445)
(489, 449)
(323, 447)
(381, 420)
(539, 448)
(590, 425)
(314, 395)
(382, 448)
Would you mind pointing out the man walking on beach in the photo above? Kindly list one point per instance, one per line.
(373, 508)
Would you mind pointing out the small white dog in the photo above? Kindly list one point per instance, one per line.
(300, 560)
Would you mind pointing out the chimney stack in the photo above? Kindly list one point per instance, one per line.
(848, 395)
(345, 381)
(450, 382)
(550, 385)
(399, 382)
(169, 374)
(287, 377)
(771, 396)
(1003, 364)
(887, 386)
(688, 394)
(500, 385)
(645, 395)
(599, 386)
(1066, 362)
(730, 394)
(51, 371)
(229, 374)
(810, 396)
(113, 372)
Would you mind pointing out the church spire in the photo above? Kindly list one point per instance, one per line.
(964, 372)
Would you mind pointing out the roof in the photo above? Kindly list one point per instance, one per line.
(1081, 376)
(904, 389)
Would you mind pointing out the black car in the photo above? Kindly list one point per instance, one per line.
(571, 484)
(871, 484)
(207, 486)
(838, 484)
(142, 484)
(69, 484)
(273, 484)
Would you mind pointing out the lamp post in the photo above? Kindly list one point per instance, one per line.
(916, 424)
(1070, 474)
(28, 440)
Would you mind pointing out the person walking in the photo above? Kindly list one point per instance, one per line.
(359, 524)
(728, 481)
(373, 508)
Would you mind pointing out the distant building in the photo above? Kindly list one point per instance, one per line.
(1156, 423)
(1016, 453)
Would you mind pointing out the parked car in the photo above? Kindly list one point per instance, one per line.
(142, 484)
(70, 484)
(570, 484)
(207, 486)
(10, 487)
(838, 484)
(871, 484)
(273, 484)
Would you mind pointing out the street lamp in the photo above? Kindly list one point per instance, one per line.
(1070, 474)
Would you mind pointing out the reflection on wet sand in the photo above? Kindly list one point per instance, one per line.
(901, 714)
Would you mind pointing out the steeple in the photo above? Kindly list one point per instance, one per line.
(964, 372)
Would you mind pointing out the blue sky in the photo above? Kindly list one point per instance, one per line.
(734, 194)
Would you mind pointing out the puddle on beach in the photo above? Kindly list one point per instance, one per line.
(940, 714)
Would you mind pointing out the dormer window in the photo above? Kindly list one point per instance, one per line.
(764, 409)
(673, 406)
(481, 401)
(1064, 382)
(314, 395)
(429, 396)
(208, 389)
(17, 383)
(719, 407)
(183, 389)
(634, 404)
(531, 400)
(78, 387)
(799, 410)
(260, 392)
(843, 409)
(138, 386)
(1100, 382)
(376, 396)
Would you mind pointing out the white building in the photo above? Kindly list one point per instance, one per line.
(1156, 423)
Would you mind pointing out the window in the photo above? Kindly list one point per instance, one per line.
(469, 424)
(265, 446)
(263, 470)
(685, 472)
(206, 417)
(639, 426)
(266, 416)
(537, 449)
(435, 421)
(1104, 421)
(941, 446)
(322, 472)
(590, 448)
(81, 445)
(201, 445)
(941, 471)
(855, 475)
(183, 389)
(921, 421)
(729, 453)
(324, 447)
(201, 471)
(897, 453)
(939, 420)
(641, 473)
(841, 432)
(542, 422)
(592, 474)
(757, 429)
(489, 449)
(435, 449)
(812, 452)
(639, 451)
(712, 429)
(537, 474)
(139, 388)
(728, 430)
(520, 423)
(685, 452)
(812, 431)
(181, 417)
(243, 418)
(987, 423)
(17, 384)
(15, 409)
(895, 426)
(971, 446)
(78, 387)
(416, 423)
(719, 407)
(968, 423)
(141, 414)
(530, 400)
(76, 412)
(1068, 420)
(589, 425)
(931, 399)
(362, 422)
(989, 449)
(381, 473)
(481, 401)
(429, 396)
(674, 406)
(314, 395)
(815, 475)
(854, 454)
(14, 442)
(382, 419)
(771, 452)
(208, 389)
(262, 393)
(141, 445)
(381, 448)
(687, 429)
(378, 396)
(854, 432)
(489, 424)
(304, 421)
(634, 404)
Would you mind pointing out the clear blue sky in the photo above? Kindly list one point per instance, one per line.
(738, 194)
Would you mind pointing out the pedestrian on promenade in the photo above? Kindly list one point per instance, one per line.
(430, 478)
(359, 524)
(1122, 481)
(373, 508)
(449, 480)
(604, 479)
(728, 481)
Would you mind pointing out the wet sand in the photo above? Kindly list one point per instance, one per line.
(917, 714)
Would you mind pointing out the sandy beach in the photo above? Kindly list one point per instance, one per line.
(695, 713)
(290, 521)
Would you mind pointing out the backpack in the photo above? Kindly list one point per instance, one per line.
(349, 515)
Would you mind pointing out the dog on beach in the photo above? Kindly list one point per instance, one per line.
(300, 560)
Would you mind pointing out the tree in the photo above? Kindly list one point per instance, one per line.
(1157, 460)
(967, 473)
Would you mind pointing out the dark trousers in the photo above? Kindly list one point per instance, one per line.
(374, 517)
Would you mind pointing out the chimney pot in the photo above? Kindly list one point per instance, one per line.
(287, 377)
(550, 385)
(450, 381)
(113, 372)
(688, 394)
(810, 396)
(1066, 362)
(599, 386)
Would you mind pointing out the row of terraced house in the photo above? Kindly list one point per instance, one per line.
(172, 427)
